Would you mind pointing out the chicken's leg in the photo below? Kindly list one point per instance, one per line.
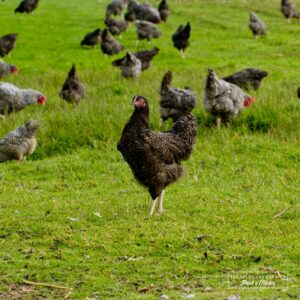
(182, 53)
(160, 202)
(219, 122)
(153, 203)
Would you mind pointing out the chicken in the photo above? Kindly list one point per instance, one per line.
(6, 69)
(131, 66)
(154, 157)
(147, 30)
(145, 57)
(298, 92)
(14, 99)
(92, 38)
(164, 11)
(223, 99)
(72, 90)
(109, 45)
(247, 78)
(115, 8)
(289, 10)
(27, 6)
(257, 26)
(19, 143)
(116, 27)
(144, 12)
(7, 43)
(175, 102)
(181, 38)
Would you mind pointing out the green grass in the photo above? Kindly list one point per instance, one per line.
(72, 214)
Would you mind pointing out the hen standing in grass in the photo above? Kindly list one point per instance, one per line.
(289, 10)
(144, 12)
(175, 102)
(109, 45)
(131, 66)
(115, 8)
(72, 90)
(6, 69)
(19, 143)
(181, 38)
(15, 99)
(224, 100)
(147, 30)
(92, 38)
(7, 43)
(27, 6)
(154, 157)
(247, 78)
(257, 26)
(164, 11)
(116, 27)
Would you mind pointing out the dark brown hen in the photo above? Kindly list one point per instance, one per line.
(181, 38)
(92, 38)
(109, 45)
(289, 10)
(7, 43)
(164, 11)
(154, 157)
(27, 6)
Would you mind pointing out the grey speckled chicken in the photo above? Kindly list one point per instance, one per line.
(131, 66)
(224, 100)
(7, 43)
(257, 26)
(247, 78)
(92, 38)
(116, 27)
(19, 143)
(14, 99)
(6, 69)
(147, 30)
(72, 90)
(289, 10)
(144, 56)
(144, 12)
(109, 45)
(154, 157)
(164, 11)
(175, 102)
(115, 8)
(27, 6)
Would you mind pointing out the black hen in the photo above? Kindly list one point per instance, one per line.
(289, 10)
(27, 6)
(116, 27)
(7, 43)
(181, 38)
(147, 30)
(109, 45)
(115, 7)
(72, 90)
(164, 11)
(92, 38)
(175, 102)
(145, 12)
(154, 157)
(145, 57)
(247, 78)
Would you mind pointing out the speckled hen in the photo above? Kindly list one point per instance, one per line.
(256, 25)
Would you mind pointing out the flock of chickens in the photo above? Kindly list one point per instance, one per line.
(153, 157)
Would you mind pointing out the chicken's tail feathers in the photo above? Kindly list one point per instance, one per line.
(72, 72)
(167, 79)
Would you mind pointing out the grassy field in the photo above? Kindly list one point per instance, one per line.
(73, 216)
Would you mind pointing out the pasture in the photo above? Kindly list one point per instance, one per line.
(72, 214)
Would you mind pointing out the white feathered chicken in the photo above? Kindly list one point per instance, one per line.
(224, 100)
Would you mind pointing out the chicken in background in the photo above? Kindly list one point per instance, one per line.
(13, 99)
(247, 78)
(19, 143)
(224, 100)
(145, 57)
(298, 92)
(109, 45)
(7, 43)
(154, 157)
(72, 90)
(164, 11)
(146, 31)
(257, 26)
(115, 8)
(6, 69)
(181, 38)
(116, 27)
(175, 102)
(92, 38)
(143, 12)
(27, 6)
(289, 10)
(131, 66)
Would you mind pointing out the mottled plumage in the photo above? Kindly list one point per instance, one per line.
(145, 57)
(92, 38)
(27, 6)
(257, 26)
(224, 100)
(115, 8)
(19, 143)
(289, 10)
(164, 11)
(144, 12)
(131, 66)
(154, 157)
(72, 90)
(175, 102)
(109, 45)
(147, 30)
(14, 99)
(247, 78)
(181, 37)
(6, 69)
(116, 27)
(7, 43)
